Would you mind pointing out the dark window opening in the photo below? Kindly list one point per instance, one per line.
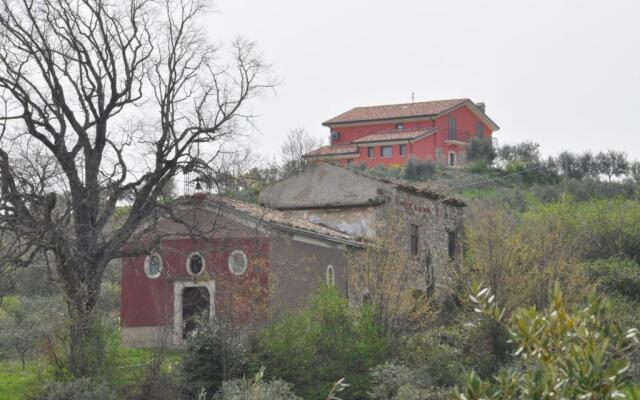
(371, 152)
(195, 308)
(399, 126)
(452, 128)
(452, 159)
(414, 240)
(479, 129)
(452, 245)
(403, 149)
(386, 151)
(196, 264)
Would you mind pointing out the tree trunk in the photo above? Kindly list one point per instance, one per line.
(86, 344)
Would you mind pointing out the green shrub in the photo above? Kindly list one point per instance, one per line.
(322, 343)
(214, 353)
(481, 150)
(80, 389)
(256, 389)
(570, 354)
(419, 170)
(387, 379)
(616, 277)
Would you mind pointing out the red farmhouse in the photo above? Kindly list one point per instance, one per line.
(391, 134)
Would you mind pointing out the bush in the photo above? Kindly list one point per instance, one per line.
(419, 170)
(80, 389)
(571, 354)
(213, 354)
(322, 343)
(256, 389)
(481, 150)
(397, 382)
(387, 379)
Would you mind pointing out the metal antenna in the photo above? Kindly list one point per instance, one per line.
(413, 97)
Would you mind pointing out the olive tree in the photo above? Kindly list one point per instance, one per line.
(100, 104)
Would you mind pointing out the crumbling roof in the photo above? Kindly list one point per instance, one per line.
(398, 134)
(394, 111)
(281, 219)
(423, 189)
(334, 150)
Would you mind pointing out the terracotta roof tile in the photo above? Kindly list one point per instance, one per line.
(334, 150)
(408, 134)
(393, 111)
(281, 218)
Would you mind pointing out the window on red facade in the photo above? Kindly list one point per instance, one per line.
(479, 129)
(400, 126)
(403, 149)
(350, 163)
(386, 151)
(452, 127)
(371, 152)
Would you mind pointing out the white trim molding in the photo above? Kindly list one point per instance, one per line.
(178, 288)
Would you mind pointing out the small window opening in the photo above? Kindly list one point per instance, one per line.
(403, 149)
(452, 244)
(371, 152)
(195, 264)
(331, 276)
(452, 159)
(400, 126)
(414, 240)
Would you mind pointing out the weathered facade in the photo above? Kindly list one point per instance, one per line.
(244, 261)
(226, 258)
(429, 224)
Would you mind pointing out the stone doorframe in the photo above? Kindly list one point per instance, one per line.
(178, 289)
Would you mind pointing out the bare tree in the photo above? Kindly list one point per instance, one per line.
(71, 73)
(297, 143)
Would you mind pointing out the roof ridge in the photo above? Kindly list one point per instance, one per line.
(414, 102)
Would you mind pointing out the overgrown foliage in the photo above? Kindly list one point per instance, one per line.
(322, 343)
(565, 353)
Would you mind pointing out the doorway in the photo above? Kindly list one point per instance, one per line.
(193, 300)
(195, 308)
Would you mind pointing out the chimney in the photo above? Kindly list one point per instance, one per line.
(481, 106)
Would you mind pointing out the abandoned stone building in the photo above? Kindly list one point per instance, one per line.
(225, 257)
(427, 223)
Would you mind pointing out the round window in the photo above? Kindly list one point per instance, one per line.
(238, 262)
(195, 264)
(153, 265)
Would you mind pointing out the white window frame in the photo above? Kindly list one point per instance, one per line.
(146, 265)
(330, 272)
(455, 159)
(382, 151)
(178, 289)
(188, 264)
(246, 262)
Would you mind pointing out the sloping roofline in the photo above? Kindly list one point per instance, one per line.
(269, 216)
(344, 119)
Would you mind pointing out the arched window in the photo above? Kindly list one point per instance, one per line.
(153, 265)
(237, 262)
(331, 275)
(195, 264)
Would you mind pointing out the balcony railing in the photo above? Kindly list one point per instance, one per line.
(459, 136)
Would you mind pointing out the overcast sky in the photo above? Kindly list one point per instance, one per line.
(563, 73)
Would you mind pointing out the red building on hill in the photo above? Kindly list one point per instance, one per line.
(391, 134)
